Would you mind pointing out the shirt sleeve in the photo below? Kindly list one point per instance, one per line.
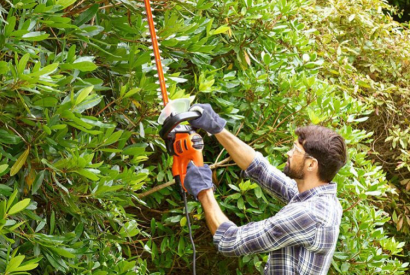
(290, 227)
(271, 178)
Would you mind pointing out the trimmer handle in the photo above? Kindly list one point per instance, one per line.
(172, 121)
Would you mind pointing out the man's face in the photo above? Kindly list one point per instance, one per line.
(296, 162)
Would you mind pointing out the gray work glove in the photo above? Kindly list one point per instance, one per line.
(197, 178)
(209, 121)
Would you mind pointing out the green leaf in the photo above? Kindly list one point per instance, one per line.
(46, 102)
(35, 36)
(345, 267)
(236, 188)
(113, 138)
(14, 263)
(5, 190)
(65, 3)
(86, 16)
(135, 149)
(219, 30)
(3, 167)
(20, 206)
(23, 63)
(313, 117)
(132, 92)
(63, 252)
(183, 221)
(52, 222)
(26, 267)
(37, 182)
(83, 66)
(9, 28)
(19, 163)
(88, 174)
(11, 199)
(83, 93)
(46, 70)
(12, 228)
(9, 138)
(4, 67)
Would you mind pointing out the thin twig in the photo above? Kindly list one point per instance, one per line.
(103, 109)
(14, 130)
(353, 205)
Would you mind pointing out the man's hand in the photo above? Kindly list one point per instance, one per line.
(209, 121)
(198, 179)
(198, 182)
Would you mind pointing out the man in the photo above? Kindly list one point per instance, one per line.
(302, 236)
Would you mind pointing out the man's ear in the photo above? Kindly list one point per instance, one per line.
(312, 165)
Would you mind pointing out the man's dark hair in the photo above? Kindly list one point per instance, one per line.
(326, 146)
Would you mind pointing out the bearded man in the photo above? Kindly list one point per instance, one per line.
(301, 238)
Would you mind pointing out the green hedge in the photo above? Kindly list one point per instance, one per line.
(80, 145)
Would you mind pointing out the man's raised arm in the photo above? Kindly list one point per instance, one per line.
(239, 151)
(211, 122)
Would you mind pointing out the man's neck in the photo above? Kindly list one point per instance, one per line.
(307, 184)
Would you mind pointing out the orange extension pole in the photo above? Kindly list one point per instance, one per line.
(156, 52)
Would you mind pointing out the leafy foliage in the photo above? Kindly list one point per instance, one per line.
(80, 145)
(366, 55)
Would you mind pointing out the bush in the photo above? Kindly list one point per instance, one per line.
(80, 145)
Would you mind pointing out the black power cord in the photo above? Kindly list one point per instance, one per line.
(190, 233)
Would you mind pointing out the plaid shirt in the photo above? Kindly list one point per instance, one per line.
(300, 238)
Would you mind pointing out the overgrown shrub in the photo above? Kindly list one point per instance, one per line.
(366, 55)
(80, 145)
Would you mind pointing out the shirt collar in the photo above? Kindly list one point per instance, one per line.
(330, 188)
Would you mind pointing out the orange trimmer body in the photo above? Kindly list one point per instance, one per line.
(187, 147)
(183, 143)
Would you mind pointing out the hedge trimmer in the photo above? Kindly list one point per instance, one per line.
(182, 142)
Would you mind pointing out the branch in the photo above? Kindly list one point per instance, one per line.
(353, 205)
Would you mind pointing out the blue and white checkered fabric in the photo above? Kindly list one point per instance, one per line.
(300, 238)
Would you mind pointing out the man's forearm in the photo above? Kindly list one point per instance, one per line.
(213, 213)
(240, 152)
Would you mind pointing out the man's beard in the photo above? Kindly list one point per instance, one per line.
(292, 173)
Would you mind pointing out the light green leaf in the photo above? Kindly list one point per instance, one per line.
(183, 221)
(4, 67)
(46, 70)
(219, 30)
(65, 3)
(313, 117)
(83, 93)
(132, 92)
(11, 199)
(26, 267)
(23, 63)
(3, 167)
(20, 206)
(14, 263)
(9, 28)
